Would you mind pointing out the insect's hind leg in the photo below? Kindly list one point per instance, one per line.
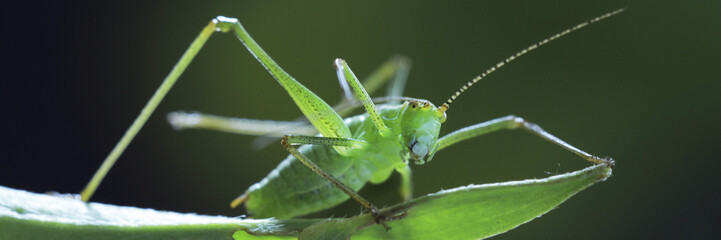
(219, 24)
(291, 143)
(513, 122)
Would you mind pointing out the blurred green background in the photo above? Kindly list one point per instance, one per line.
(643, 87)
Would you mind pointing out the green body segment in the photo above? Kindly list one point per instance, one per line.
(320, 176)
(292, 189)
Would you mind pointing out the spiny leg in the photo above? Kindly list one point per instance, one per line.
(394, 70)
(182, 120)
(513, 122)
(318, 112)
(344, 73)
(326, 121)
(266, 128)
(291, 143)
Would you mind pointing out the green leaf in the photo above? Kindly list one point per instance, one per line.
(25, 215)
(471, 212)
(480, 211)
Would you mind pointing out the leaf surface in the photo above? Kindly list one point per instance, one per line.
(470, 212)
(481, 211)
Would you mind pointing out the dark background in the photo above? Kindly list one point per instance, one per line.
(643, 87)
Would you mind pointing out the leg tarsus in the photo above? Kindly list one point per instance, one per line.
(379, 218)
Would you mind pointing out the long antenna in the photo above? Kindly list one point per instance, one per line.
(448, 102)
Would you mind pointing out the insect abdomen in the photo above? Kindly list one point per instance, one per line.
(292, 189)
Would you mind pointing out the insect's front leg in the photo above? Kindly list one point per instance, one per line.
(513, 122)
(291, 143)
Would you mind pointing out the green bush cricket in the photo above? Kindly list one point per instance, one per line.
(327, 169)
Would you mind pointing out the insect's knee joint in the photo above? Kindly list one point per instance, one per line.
(517, 121)
(608, 161)
(224, 24)
(284, 141)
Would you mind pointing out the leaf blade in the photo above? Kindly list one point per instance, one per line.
(470, 212)
(481, 211)
(25, 215)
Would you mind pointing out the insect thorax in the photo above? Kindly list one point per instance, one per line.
(292, 190)
(414, 126)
